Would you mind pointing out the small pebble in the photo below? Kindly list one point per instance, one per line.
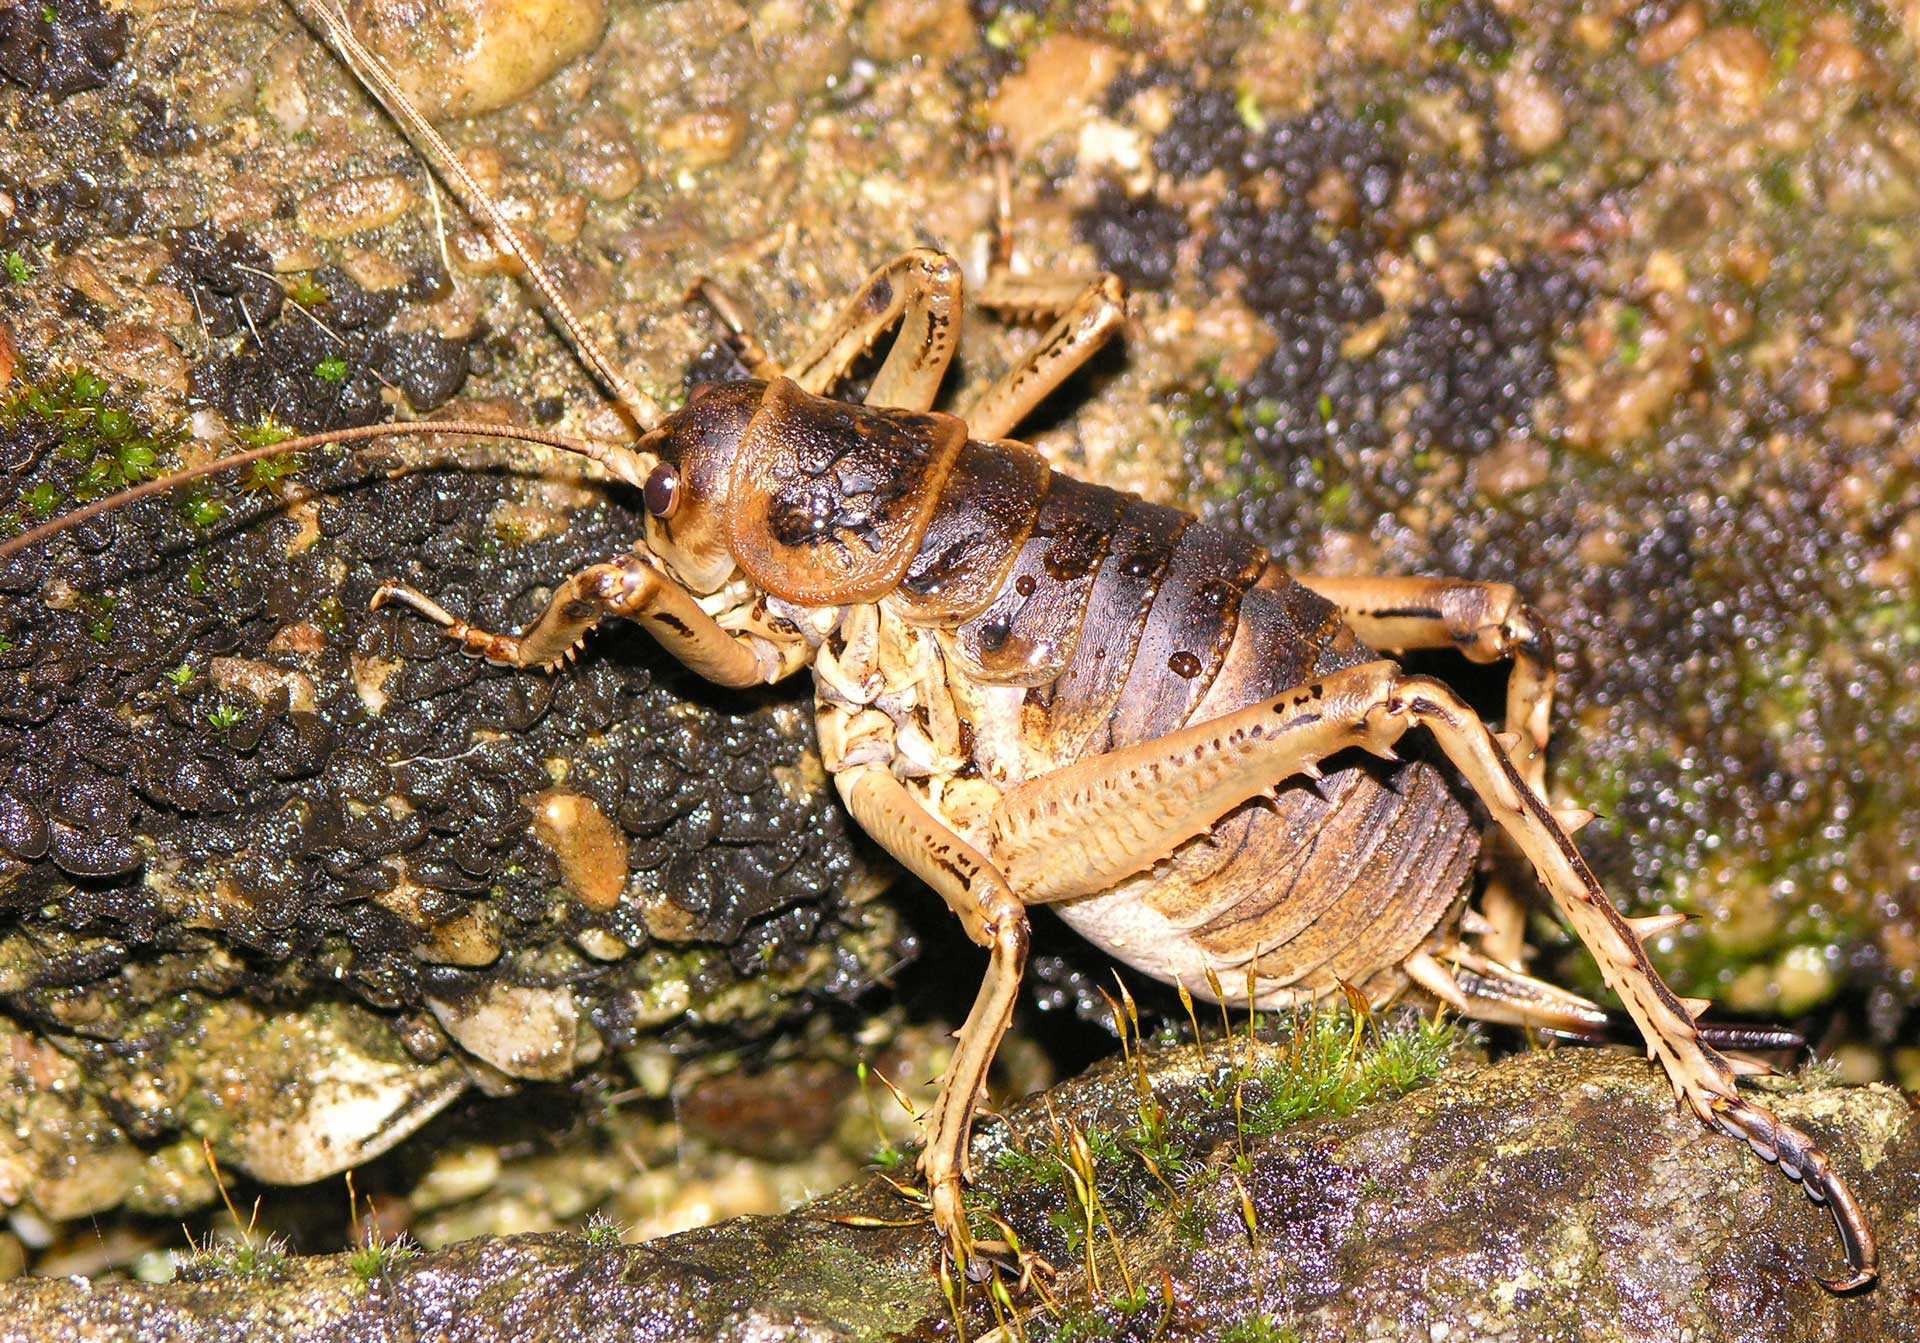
(1531, 114)
(601, 159)
(1664, 41)
(591, 850)
(142, 353)
(356, 205)
(373, 271)
(1861, 177)
(936, 29)
(1729, 71)
(1832, 58)
(471, 940)
(703, 139)
(462, 58)
(475, 254)
(1060, 86)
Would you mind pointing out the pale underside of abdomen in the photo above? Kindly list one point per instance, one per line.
(1339, 882)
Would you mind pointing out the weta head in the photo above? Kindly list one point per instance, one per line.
(819, 502)
(686, 492)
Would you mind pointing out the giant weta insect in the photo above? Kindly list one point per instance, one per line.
(1035, 690)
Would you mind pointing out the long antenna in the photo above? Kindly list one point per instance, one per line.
(623, 461)
(379, 81)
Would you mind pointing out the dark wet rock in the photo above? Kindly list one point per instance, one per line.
(315, 361)
(1553, 1196)
(84, 202)
(57, 48)
(1135, 237)
(205, 752)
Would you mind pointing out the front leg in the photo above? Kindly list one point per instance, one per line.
(630, 587)
(993, 917)
(922, 291)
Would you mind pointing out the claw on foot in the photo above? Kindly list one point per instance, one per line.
(1801, 1159)
(950, 1220)
(499, 649)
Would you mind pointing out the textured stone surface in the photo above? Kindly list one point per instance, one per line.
(1548, 1198)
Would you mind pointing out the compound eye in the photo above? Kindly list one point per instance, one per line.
(662, 491)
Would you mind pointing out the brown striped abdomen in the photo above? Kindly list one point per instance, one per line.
(1126, 620)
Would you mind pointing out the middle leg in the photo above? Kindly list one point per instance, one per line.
(1090, 310)
(994, 918)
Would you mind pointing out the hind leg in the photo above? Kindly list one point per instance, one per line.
(1488, 623)
(1493, 992)
(1703, 1080)
(1085, 827)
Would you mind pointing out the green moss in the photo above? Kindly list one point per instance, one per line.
(270, 471)
(1246, 105)
(306, 292)
(1327, 1071)
(1781, 183)
(202, 510)
(1628, 324)
(1012, 30)
(380, 1255)
(1781, 24)
(19, 270)
(1261, 1329)
(602, 1230)
(263, 435)
(1079, 1323)
(41, 500)
(107, 445)
(248, 1259)
(1082, 1176)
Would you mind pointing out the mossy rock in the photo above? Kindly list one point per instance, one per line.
(1551, 1196)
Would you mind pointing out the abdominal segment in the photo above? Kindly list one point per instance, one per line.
(1319, 885)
